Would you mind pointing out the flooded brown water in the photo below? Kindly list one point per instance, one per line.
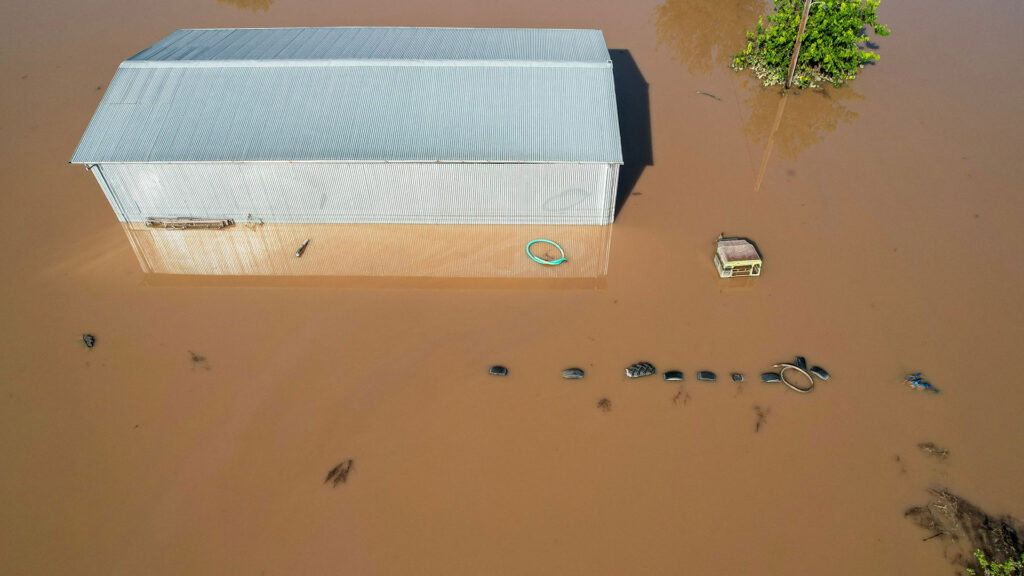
(392, 251)
(888, 212)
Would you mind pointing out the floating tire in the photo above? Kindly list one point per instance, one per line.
(782, 375)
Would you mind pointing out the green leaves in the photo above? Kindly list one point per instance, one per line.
(1011, 567)
(831, 49)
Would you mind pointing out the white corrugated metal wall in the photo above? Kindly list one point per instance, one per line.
(358, 192)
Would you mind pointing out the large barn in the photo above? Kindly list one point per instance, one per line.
(344, 125)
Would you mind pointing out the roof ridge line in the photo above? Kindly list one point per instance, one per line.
(365, 62)
(486, 28)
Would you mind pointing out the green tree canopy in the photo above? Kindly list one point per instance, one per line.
(831, 50)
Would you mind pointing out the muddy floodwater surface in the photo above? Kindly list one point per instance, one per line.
(348, 424)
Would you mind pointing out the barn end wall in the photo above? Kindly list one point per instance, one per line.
(413, 193)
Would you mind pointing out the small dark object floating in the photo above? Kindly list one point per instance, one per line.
(801, 363)
(918, 382)
(298, 253)
(572, 374)
(673, 375)
(820, 372)
(922, 385)
(89, 340)
(640, 369)
(498, 371)
(339, 474)
(771, 378)
(706, 376)
(737, 377)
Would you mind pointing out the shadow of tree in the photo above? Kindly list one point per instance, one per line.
(706, 34)
(634, 112)
(793, 123)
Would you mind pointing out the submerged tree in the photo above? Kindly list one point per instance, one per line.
(831, 49)
(1012, 566)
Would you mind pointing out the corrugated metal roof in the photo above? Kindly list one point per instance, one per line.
(375, 44)
(361, 94)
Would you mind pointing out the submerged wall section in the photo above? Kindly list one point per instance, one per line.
(389, 250)
(364, 192)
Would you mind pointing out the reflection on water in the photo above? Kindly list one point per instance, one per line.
(363, 250)
(705, 33)
(792, 123)
(254, 5)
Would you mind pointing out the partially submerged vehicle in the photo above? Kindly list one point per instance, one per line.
(737, 257)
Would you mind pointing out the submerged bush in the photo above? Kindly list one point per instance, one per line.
(831, 47)
(1009, 568)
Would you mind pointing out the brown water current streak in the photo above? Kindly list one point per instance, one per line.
(888, 216)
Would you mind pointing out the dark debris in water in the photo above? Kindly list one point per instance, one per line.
(198, 361)
(737, 377)
(709, 95)
(903, 467)
(967, 528)
(917, 382)
(931, 449)
(89, 340)
(762, 417)
(604, 404)
(339, 474)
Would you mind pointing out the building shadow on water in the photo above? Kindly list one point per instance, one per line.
(634, 110)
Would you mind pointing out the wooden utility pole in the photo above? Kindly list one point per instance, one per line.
(796, 49)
